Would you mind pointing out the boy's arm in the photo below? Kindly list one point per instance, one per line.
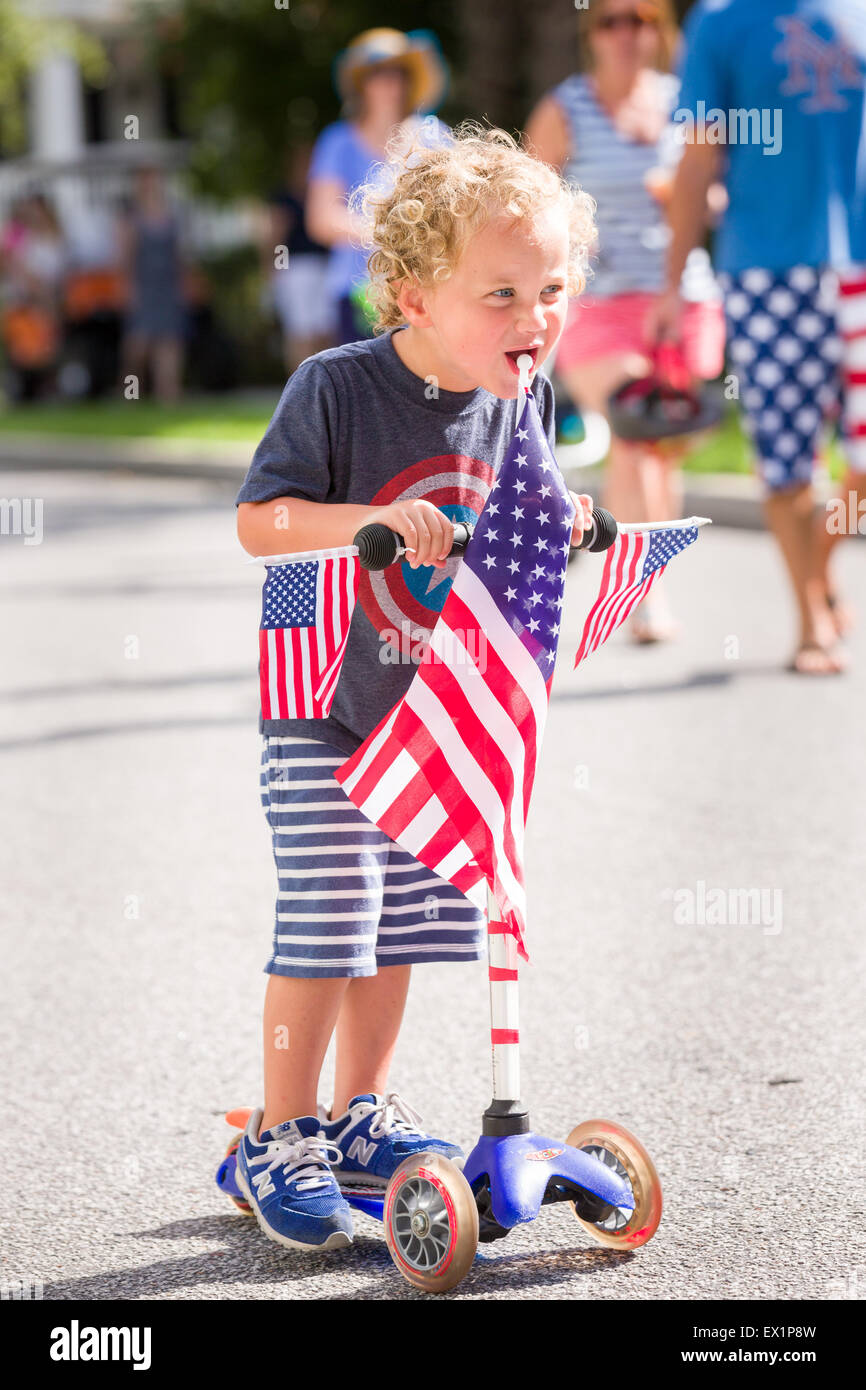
(289, 525)
(282, 507)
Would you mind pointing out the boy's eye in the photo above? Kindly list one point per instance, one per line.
(549, 289)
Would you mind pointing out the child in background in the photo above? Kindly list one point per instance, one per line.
(477, 248)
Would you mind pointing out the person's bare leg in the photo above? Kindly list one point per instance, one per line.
(590, 383)
(825, 540)
(790, 517)
(367, 1030)
(167, 369)
(621, 491)
(637, 483)
(652, 620)
(134, 360)
(299, 1018)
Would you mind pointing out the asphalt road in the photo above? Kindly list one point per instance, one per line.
(138, 894)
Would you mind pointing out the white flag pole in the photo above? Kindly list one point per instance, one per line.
(633, 526)
(524, 367)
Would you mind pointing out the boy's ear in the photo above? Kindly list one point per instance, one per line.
(412, 302)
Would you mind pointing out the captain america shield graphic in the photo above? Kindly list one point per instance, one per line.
(403, 603)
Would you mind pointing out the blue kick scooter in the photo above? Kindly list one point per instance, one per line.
(434, 1212)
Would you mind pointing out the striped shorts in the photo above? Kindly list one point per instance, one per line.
(349, 899)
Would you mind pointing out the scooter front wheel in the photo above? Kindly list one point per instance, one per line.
(614, 1146)
(431, 1222)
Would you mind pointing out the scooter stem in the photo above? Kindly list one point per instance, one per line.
(506, 1113)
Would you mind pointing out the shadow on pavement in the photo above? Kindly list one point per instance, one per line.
(249, 1259)
(699, 680)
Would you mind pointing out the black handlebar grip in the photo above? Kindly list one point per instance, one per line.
(601, 534)
(378, 544)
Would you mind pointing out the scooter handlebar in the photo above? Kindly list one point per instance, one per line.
(378, 544)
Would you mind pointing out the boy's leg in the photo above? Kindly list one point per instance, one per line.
(299, 1018)
(367, 1030)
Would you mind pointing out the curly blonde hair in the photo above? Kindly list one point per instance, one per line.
(418, 209)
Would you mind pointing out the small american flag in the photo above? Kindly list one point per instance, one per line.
(448, 772)
(633, 564)
(307, 605)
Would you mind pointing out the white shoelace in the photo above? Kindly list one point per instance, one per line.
(291, 1154)
(392, 1113)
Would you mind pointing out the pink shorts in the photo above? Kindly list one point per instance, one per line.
(609, 326)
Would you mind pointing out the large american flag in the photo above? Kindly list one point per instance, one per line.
(633, 564)
(448, 773)
(307, 605)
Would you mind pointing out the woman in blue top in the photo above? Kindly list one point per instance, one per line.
(384, 78)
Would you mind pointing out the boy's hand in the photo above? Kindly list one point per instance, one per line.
(427, 532)
(582, 516)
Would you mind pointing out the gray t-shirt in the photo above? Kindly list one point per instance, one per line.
(354, 424)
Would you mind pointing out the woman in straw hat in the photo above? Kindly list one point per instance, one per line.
(387, 80)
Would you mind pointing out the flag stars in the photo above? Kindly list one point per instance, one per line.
(534, 497)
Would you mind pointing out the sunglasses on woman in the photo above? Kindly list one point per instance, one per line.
(631, 20)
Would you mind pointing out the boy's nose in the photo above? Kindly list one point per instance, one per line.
(531, 322)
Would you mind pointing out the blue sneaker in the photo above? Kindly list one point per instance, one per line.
(375, 1135)
(286, 1177)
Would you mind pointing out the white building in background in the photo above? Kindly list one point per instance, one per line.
(79, 148)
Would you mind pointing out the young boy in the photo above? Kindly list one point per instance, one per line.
(477, 249)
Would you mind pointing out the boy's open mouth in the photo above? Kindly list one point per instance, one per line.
(513, 355)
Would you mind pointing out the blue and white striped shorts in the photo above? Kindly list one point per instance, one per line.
(349, 898)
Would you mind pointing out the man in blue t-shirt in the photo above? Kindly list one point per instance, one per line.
(772, 105)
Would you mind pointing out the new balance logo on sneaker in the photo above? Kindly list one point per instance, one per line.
(286, 1177)
(375, 1135)
(361, 1151)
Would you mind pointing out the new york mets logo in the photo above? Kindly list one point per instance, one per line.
(817, 67)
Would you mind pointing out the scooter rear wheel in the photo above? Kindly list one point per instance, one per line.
(619, 1149)
(431, 1222)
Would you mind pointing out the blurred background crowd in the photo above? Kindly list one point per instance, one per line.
(174, 186)
(157, 153)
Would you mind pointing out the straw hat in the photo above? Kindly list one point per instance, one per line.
(418, 52)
